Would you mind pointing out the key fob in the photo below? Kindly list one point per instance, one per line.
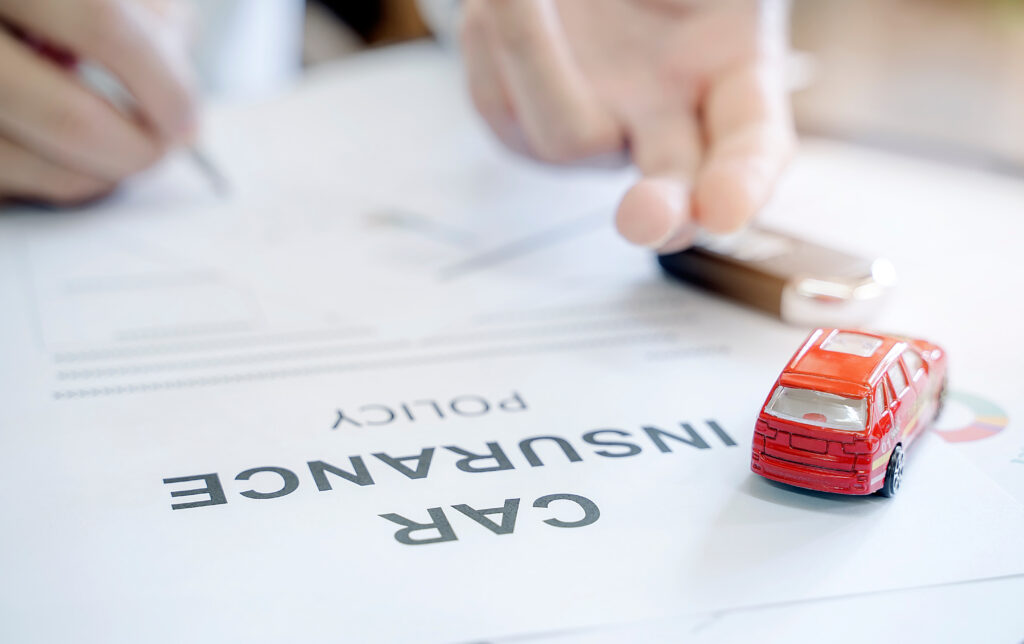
(794, 279)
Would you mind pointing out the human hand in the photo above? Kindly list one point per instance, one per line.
(692, 88)
(62, 142)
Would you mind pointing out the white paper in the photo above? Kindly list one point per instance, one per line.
(974, 611)
(378, 250)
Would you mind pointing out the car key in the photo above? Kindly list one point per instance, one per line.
(794, 279)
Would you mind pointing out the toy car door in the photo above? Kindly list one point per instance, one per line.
(902, 406)
(916, 372)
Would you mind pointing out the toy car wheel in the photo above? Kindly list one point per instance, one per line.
(893, 473)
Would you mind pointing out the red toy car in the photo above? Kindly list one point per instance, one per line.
(844, 410)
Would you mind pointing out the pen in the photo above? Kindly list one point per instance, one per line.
(218, 182)
(106, 84)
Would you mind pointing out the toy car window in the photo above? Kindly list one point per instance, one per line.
(913, 363)
(879, 405)
(818, 408)
(889, 397)
(898, 380)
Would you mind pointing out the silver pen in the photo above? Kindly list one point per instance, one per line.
(109, 86)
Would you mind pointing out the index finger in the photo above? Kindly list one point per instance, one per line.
(666, 147)
(750, 141)
(130, 40)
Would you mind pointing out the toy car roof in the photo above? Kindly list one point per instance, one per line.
(841, 361)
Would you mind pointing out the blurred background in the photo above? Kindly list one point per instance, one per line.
(943, 78)
(937, 78)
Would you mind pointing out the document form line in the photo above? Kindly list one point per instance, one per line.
(296, 337)
(390, 363)
(635, 324)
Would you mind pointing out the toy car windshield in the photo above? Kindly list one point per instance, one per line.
(818, 408)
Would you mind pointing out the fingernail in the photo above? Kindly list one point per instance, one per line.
(664, 239)
(653, 211)
(684, 237)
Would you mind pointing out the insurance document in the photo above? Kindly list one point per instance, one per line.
(399, 385)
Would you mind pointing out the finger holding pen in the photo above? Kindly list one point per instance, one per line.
(62, 141)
